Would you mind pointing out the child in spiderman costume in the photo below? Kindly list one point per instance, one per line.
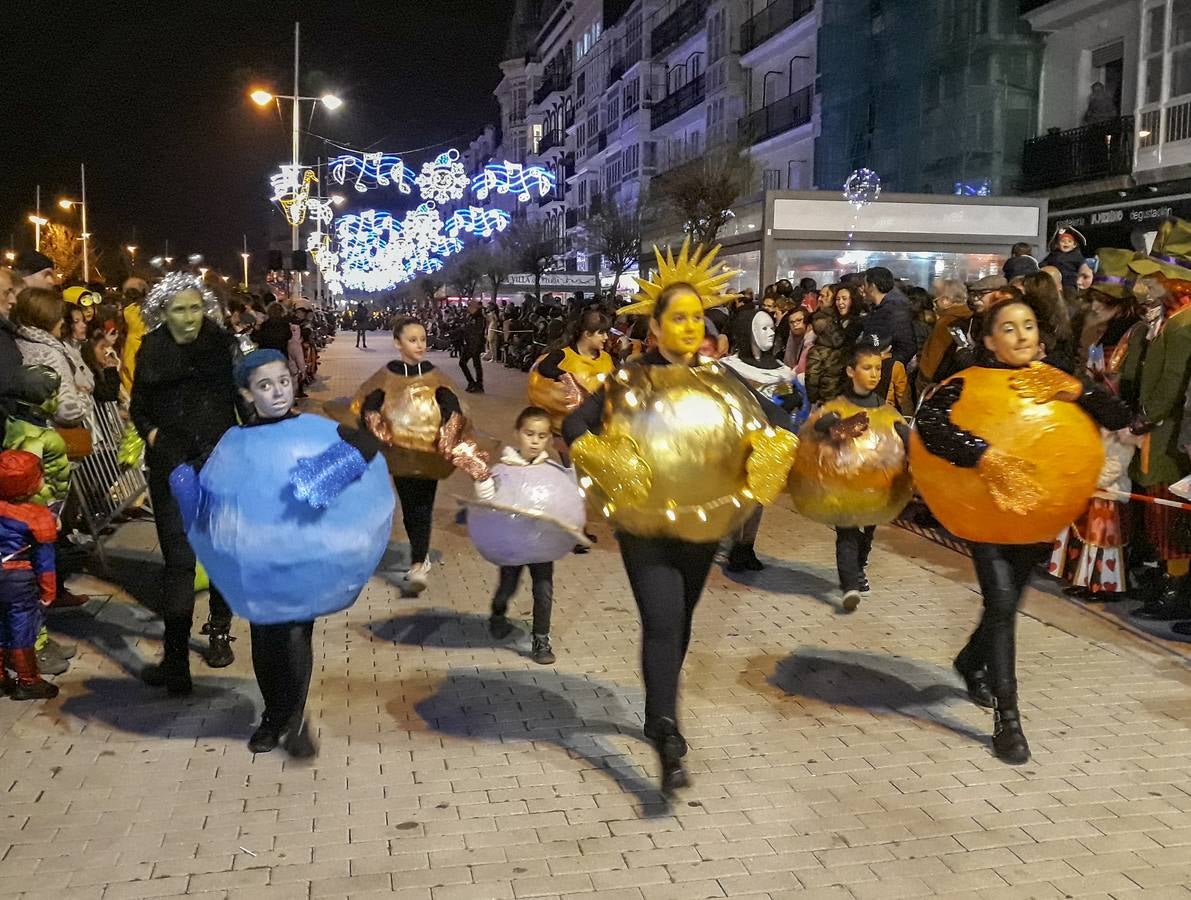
(27, 577)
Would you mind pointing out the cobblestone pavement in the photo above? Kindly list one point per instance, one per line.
(832, 756)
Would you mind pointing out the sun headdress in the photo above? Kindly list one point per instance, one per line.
(695, 268)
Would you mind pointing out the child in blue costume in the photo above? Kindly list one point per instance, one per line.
(282, 564)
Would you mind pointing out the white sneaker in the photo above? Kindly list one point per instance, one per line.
(417, 577)
(851, 601)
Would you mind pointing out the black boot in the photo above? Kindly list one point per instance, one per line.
(1168, 603)
(976, 681)
(173, 672)
(219, 649)
(265, 738)
(671, 748)
(298, 742)
(1009, 741)
(737, 559)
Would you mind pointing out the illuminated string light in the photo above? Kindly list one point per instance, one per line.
(373, 170)
(513, 178)
(483, 223)
(291, 189)
(443, 179)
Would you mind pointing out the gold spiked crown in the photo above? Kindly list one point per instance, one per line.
(692, 267)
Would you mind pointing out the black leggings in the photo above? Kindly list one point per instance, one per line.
(282, 659)
(361, 335)
(473, 357)
(852, 547)
(667, 578)
(542, 575)
(1003, 571)
(417, 512)
(177, 581)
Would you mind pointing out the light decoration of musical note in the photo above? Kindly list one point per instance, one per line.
(483, 223)
(372, 170)
(443, 178)
(513, 178)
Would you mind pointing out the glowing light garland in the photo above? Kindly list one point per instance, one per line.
(373, 170)
(443, 179)
(291, 188)
(483, 223)
(513, 178)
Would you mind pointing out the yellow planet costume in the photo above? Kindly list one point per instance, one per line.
(559, 396)
(675, 451)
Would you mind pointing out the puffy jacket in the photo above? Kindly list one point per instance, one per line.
(827, 358)
(892, 322)
(41, 348)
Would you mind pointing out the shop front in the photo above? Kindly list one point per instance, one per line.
(1128, 222)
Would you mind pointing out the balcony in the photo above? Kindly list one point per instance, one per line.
(777, 16)
(568, 166)
(677, 25)
(779, 116)
(572, 218)
(616, 72)
(675, 104)
(1099, 150)
(550, 140)
(555, 81)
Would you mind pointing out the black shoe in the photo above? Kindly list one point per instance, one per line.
(219, 650)
(499, 626)
(542, 653)
(479, 389)
(737, 561)
(265, 738)
(751, 563)
(1168, 609)
(1183, 628)
(470, 389)
(862, 585)
(1009, 742)
(299, 743)
(172, 673)
(671, 748)
(976, 681)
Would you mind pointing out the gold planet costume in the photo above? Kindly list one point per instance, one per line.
(864, 480)
(560, 396)
(675, 451)
(410, 420)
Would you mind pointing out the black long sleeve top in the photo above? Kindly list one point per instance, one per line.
(589, 415)
(186, 392)
(945, 439)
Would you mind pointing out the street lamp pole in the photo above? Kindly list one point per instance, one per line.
(86, 235)
(297, 276)
(244, 256)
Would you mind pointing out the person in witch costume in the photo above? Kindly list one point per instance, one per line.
(753, 341)
(1155, 374)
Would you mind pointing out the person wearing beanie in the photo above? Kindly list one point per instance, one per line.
(27, 574)
(36, 269)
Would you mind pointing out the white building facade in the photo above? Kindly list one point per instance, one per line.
(610, 94)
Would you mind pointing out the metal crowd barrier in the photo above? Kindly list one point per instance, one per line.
(103, 488)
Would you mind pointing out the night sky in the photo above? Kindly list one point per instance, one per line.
(153, 98)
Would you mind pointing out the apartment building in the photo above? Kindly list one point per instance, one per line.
(1112, 147)
(611, 94)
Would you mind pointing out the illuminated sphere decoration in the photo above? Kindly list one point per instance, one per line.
(862, 188)
(861, 481)
(1055, 438)
(685, 452)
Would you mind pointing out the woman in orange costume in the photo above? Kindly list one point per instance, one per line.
(563, 378)
(1012, 495)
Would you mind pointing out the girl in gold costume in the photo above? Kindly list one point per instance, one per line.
(676, 450)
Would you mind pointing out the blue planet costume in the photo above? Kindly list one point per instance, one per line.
(290, 517)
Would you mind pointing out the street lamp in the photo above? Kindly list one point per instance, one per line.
(37, 221)
(261, 97)
(67, 203)
(10, 255)
(132, 248)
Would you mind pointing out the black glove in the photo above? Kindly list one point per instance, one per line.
(1141, 425)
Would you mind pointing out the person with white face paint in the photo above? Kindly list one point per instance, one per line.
(754, 361)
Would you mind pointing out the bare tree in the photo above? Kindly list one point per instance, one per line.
(614, 233)
(493, 261)
(703, 190)
(62, 245)
(466, 270)
(532, 250)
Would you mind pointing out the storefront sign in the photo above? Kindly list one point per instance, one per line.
(558, 281)
(1122, 226)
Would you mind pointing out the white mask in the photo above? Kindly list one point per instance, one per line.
(763, 331)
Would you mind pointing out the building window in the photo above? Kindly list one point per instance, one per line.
(583, 193)
(632, 160)
(581, 87)
(1180, 47)
(613, 111)
(632, 40)
(1155, 47)
(581, 134)
(771, 180)
(632, 96)
(519, 94)
(717, 36)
